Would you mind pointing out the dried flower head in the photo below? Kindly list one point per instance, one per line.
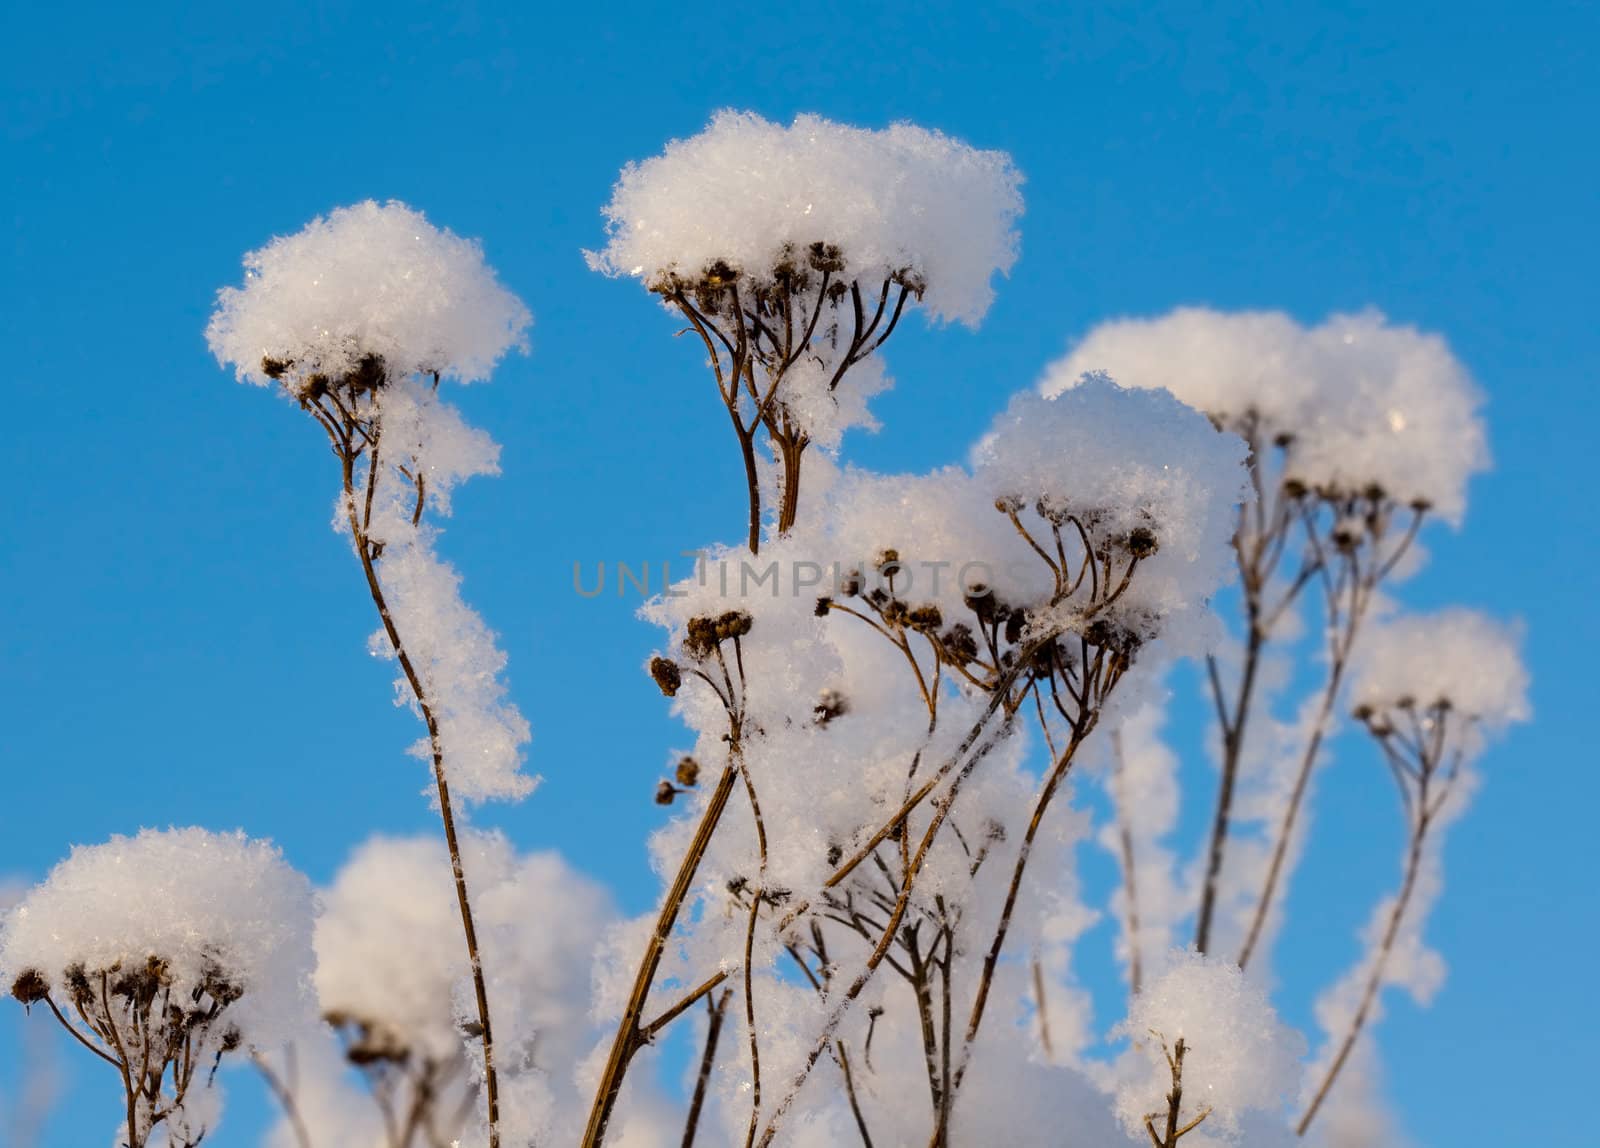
(667, 675)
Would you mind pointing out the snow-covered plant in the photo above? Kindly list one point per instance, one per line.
(872, 909)
(162, 954)
(1209, 1048)
(1358, 431)
(358, 318)
(794, 251)
(388, 967)
(1428, 690)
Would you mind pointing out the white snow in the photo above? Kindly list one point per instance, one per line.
(369, 279)
(1368, 402)
(745, 188)
(196, 899)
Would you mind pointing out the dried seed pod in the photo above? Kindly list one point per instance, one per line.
(688, 772)
(925, 618)
(665, 792)
(700, 636)
(1142, 542)
(30, 986)
(667, 675)
(959, 644)
(823, 606)
(733, 624)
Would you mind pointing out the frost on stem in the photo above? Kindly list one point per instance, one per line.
(1427, 689)
(357, 318)
(161, 954)
(793, 252)
(1207, 1049)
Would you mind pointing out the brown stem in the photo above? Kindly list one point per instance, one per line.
(708, 1059)
(749, 947)
(1041, 1008)
(992, 958)
(1129, 875)
(930, 1035)
(1380, 962)
(1302, 781)
(1232, 747)
(850, 1093)
(628, 1039)
(364, 550)
(286, 1101)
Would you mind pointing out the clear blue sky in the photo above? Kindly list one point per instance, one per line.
(182, 639)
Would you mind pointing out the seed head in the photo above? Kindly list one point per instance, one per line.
(825, 257)
(665, 792)
(667, 675)
(959, 644)
(688, 771)
(1142, 542)
(30, 987)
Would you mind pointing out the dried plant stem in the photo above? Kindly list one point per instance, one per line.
(1173, 1132)
(1380, 960)
(716, 1008)
(758, 895)
(1042, 1009)
(1233, 726)
(1348, 597)
(850, 1093)
(922, 988)
(284, 1095)
(366, 551)
(630, 1035)
(991, 959)
(1285, 831)
(1130, 882)
(973, 749)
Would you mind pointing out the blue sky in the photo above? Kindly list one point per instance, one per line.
(182, 639)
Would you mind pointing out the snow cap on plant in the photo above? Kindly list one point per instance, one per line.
(1459, 657)
(213, 908)
(370, 282)
(1145, 475)
(748, 195)
(1362, 403)
(1238, 1057)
